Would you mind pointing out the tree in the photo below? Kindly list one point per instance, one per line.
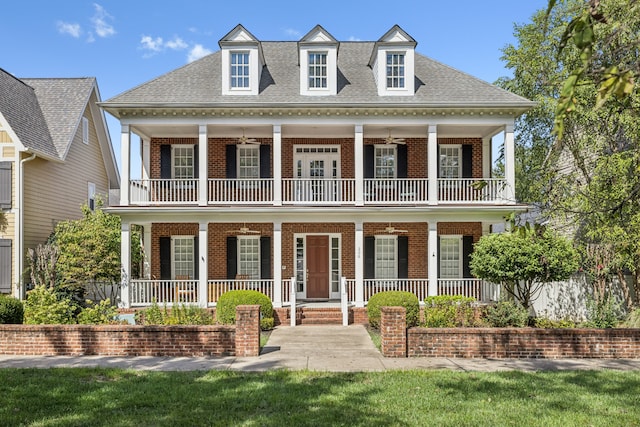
(3, 222)
(523, 261)
(89, 249)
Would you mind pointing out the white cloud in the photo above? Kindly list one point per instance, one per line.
(292, 33)
(197, 52)
(176, 44)
(354, 39)
(149, 43)
(100, 22)
(73, 30)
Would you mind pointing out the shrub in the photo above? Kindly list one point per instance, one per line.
(506, 313)
(182, 314)
(228, 301)
(44, 306)
(102, 313)
(603, 314)
(633, 320)
(544, 322)
(11, 310)
(393, 299)
(449, 311)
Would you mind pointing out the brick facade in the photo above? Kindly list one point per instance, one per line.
(393, 337)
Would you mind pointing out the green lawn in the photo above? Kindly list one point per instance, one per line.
(113, 397)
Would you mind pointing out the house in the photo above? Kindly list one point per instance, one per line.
(295, 167)
(55, 155)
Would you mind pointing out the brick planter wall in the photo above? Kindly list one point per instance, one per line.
(393, 327)
(135, 340)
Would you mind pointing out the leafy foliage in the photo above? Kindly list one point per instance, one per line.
(228, 301)
(632, 320)
(543, 322)
(181, 314)
(523, 261)
(503, 314)
(407, 300)
(45, 306)
(42, 263)
(102, 313)
(11, 310)
(444, 311)
(603, 314)
(4, 222)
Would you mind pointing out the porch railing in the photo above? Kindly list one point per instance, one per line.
(240, 191)
(476, 288)
(218, 287)
(145, 292)
(464, 190)
(163, 191)
(318, 191)
(419, 287)
(396, 191)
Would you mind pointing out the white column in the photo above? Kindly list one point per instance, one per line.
(146, 157)
(432, 164)
(277, 166)
(433, 258)
(146, 242)
(358, 156)
(486, 157)
(125, 261)
(359, 264)
(203, 264)
(509, 164)
(277, 264)
(125, 161)
(202, 165)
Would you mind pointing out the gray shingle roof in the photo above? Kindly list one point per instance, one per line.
(19, 105)
(63, 102)
(199, 83)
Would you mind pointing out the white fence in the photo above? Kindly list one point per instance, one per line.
(396, 191)
(240, 191)
(464, 190)
(318, 191)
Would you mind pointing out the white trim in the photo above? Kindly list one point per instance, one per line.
(445, 146)
(303, 294)
(331, 53)
(91, 195)
(173, 162)
(247, 238)
(380, 70)
(173, 258)
(395, 159)
(394, 238)
(452, 237)
(85, 130)
(319, 156)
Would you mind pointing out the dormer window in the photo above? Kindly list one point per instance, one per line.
(395, 71)
(392, 63)
(318, 58)
(317, 70)
(239, 70)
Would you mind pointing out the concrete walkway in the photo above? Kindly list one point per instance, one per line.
(319, 348)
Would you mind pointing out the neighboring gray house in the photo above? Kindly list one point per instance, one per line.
(55, 155)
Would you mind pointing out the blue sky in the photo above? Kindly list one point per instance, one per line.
(125, 43)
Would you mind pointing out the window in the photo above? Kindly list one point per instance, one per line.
(183, 165)
(239, 70)
(395, 70)
(386, 255)
(249, 257)
(85, 130)
(450, 257)
(385, 162)
(450, 164)
(248, 162)
(183, 251)
(317, 70)
(91, 196)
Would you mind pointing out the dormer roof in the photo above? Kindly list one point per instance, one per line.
(396, 36)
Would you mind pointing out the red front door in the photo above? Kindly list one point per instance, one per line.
(317, 266)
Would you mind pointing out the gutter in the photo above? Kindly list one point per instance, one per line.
(19, 218)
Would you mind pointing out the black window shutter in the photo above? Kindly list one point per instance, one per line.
(196, 258)
(369, 257)
(5, 265)
(265, 161)
(195, 161)
(232, 257)
(165, 161)
(231, 162)
(369, 160)
(467, 249)
(165, 258)
(265, 257)
(439, 257)
(5, 185)
(401, 151)
(403, 257)
(467, 161)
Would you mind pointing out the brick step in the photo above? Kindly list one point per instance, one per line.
(319, 316)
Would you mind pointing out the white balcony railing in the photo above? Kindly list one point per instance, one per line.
(418, 287)
(218, 287)
(163, 191)
(318, 191)
(145, 292)
(465, 190)
(476, 288)
(240, 191)
(396, 191)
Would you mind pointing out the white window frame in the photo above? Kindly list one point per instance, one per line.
(85, 130)
(245, 66)
(394, 273)
(376, 156)
(301, 291)
(323, 79)
(441, 168)
(175, 149)
(244, 149)
(443, 241)
(256, 262)
(178, 240)
(91, 196)
(401, 78)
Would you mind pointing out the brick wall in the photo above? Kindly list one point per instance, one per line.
(393, 337)
(476, 153)
(418, 243)
(461, 228)
(133, 340)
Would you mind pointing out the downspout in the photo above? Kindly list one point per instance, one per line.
(19, 293)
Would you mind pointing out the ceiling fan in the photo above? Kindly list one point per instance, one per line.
(391, 140)
(243, 230)
(391, 230)
(246, 140)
